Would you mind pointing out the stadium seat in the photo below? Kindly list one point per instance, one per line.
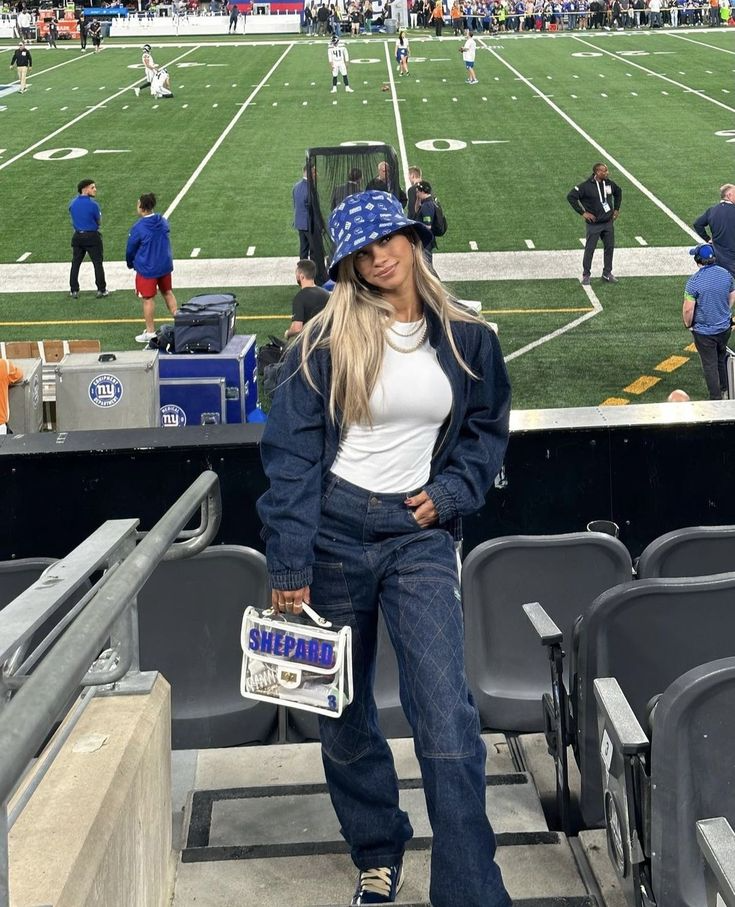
(189, 616)
(659, 784)
(694, 551)
(387, 696)
(565, 573)
(645, 634)
(17, 576)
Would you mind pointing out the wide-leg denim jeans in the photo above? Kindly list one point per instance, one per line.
(371, 553)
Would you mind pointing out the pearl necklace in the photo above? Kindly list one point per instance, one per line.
(421, 330)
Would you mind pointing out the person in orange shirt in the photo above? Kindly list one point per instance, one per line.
(437, 17)
(456, 14)
(9, 374)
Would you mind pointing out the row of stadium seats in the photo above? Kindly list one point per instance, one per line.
(629, 641)
(645, 702)
(201, 600)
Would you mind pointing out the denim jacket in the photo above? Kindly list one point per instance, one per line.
(300, 443)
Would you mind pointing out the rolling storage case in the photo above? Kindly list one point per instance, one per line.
(26, 398)
(192, 401)
(205, 323)
(107, 390)
(236, 364)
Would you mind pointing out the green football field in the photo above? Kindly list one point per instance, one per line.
(222, 157)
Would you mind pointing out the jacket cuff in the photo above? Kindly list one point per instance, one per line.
(291, 579)
(442, 501)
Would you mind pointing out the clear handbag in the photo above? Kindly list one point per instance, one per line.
(297, 665)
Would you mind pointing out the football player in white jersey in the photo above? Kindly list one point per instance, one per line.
(149, 67)
(338, 60)
(161, 86)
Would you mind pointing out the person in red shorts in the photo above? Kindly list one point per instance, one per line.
(149, 253)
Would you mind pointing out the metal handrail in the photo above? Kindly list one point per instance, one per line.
(30, 714)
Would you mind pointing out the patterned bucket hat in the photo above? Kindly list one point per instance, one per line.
(362, 219)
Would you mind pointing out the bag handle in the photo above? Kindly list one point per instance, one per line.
(308, 610)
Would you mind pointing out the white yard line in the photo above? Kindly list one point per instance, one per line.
(81, 116)
(596, 309)
(227, 130)
(724, 50)
(556, 264)
(652, 72)
(402, 153)
(596, 145)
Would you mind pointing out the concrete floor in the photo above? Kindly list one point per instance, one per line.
(535, 864)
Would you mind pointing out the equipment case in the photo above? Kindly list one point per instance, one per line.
(26, 398)
(205, 323)
(236, 364)
(107, 390)
(192, 401)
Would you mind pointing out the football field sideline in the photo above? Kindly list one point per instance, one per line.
(662, 261)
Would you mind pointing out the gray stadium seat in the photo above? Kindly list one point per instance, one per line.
(655, 793)
(694, 551)
(189, 614)
(563, 572)
(645, 634)
(17, 576)
(387, 696)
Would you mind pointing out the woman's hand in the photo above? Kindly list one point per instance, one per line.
(423, 509)
(290, 600)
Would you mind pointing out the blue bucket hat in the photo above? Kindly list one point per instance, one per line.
(362, 219)
(703, 253)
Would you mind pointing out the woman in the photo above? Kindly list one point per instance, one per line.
(392, 424)
(402, 53)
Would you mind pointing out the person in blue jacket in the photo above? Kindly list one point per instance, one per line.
(149, 253)
(390, 423)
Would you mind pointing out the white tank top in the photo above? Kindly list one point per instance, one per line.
(409, 404)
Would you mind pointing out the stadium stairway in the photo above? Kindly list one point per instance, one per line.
(254, 826)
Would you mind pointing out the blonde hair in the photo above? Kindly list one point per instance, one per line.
(352, 327)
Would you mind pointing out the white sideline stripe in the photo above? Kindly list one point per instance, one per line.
(596, 309)
(701, 43)
(402, 153)
(652, 72)
(81, 116)
(529, 243)
(230, 126)
(641, 241)
(520, 264)
(195, 252)
(24, 256)
(603, 151)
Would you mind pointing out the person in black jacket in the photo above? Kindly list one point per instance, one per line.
(598, 201)
(23, 62)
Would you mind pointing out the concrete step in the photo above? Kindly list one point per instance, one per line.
(261, 832)
(529, 871)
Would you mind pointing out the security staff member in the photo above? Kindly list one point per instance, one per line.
(87, 240)
(598, 201)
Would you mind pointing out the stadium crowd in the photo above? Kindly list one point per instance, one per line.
(491, 16)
